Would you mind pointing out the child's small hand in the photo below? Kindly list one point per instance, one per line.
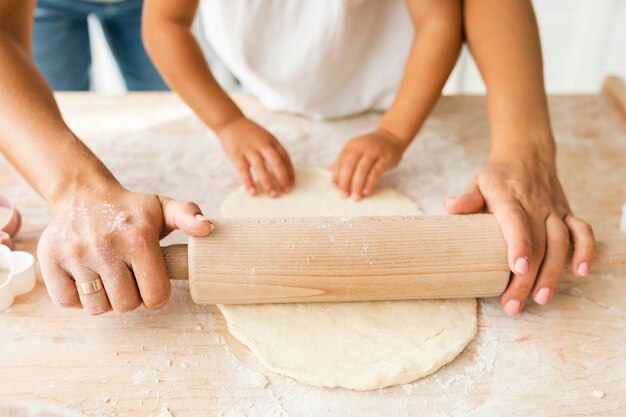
(249, 146)
(363, 160)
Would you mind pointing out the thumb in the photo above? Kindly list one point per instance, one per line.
(186, 216)
(471, 201)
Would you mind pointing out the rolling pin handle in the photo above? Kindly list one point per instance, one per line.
(176, 261)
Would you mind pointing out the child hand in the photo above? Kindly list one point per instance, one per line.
(363, 160)
(249, 146)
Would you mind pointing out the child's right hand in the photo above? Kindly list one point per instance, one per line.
(249, 146)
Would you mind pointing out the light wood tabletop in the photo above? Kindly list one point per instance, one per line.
(564, 359)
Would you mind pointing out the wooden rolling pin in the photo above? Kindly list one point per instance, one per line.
(285, 260)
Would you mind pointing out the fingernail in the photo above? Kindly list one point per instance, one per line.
(366, 192)
(543, 296)
(344, 194)
(273, 194)
(355, 196)
(521, 266)
(288, 189)
(201, 218)
(512, 307)
(252, 190)
(583, 269)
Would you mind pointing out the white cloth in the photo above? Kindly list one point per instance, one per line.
(322, 58)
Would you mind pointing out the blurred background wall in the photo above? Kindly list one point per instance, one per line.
(583, 41)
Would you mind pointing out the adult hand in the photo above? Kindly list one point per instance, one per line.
(249, 146)
(528, 202)
(363, 160)
(110, 233)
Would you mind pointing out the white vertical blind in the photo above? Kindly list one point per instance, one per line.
(583, 41)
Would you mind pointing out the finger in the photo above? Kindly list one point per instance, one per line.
(95, 302)
(471, 201)
(557, 247)
(359, 178)
(372, 178)
(150, 273)
(121, 288)
(521, 284)
(186, 216)
(287, 161)
(243, 167)
(267, 183)
(347, 171)
(60, 285)
(278, 167)
(515, 226)
(584, 243)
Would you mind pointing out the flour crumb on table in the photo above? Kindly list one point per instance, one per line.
(598, 393)
(165, 412)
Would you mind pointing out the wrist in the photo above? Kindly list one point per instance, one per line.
(528, 149)
(227, 122)
(228, 126)
(88, 175)
(402, 134)
(391, 136)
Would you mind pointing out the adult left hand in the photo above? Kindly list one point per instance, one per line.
(528, 202)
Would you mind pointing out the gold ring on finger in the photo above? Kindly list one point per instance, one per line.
(89, 287)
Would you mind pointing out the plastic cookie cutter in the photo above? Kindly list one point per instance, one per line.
(20, 278)
(17, 269)
(11, 225)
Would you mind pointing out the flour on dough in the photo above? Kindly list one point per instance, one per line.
(360, 345)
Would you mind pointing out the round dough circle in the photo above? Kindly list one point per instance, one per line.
(360, 345)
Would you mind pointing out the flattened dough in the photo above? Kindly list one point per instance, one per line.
(361, 345)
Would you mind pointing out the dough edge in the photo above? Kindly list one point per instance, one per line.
(410, 374)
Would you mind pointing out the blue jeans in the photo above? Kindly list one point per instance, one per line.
(61, 43)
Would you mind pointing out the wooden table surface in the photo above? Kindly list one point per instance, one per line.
(568, 358)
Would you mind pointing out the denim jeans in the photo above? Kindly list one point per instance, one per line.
(62, 51)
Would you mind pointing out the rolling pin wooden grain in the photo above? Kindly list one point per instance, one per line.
(249, 261)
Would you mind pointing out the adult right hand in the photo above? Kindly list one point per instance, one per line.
(249, 146)
(107, 232)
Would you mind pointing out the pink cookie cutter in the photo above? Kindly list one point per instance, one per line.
(12, 224)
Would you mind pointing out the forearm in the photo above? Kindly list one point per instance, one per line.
(436, 45)
(33, 136)
(178, 56)
(504, 40)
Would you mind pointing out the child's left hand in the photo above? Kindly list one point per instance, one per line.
(363, 160)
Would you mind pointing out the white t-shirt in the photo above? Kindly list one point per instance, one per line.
(322, 58)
